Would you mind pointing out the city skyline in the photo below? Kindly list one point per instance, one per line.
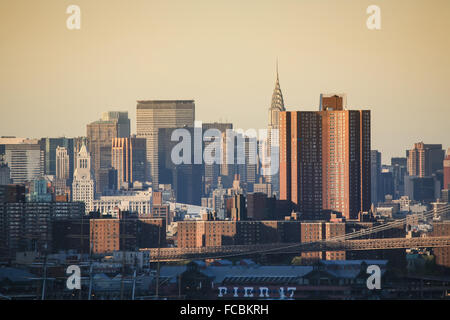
(156, 51)
(224, 151)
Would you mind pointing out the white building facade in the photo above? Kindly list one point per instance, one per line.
(83, 186)
(140, 202)
(25, 161)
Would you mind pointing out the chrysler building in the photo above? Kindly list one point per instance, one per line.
(272, 148)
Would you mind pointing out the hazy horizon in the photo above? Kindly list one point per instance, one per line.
(222, 54)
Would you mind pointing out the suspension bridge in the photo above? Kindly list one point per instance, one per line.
(350, 241)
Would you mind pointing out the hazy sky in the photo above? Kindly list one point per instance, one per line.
(53, 81)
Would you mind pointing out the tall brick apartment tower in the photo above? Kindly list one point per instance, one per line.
(325, 159)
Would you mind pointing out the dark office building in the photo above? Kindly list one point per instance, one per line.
(399, 166)
(386, 185)
(425, 189)
(238, 208)
(151, 232)
(375, 175)
(49, 145)
(71, 234)
(111, 180)
(12, 193)
(259, 206)
(445, 195)
(262, 207)
(185, 178)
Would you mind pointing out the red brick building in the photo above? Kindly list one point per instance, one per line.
(442, 255)
(325, 159)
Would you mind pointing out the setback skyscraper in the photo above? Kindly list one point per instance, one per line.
(100, 135)
(272, 145)
(83, 186)
(62, 171)
(123, 122)
(62, 163)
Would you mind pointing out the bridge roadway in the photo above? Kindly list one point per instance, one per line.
(177, 254)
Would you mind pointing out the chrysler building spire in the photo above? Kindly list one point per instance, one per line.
(277, 104)
(272, 146)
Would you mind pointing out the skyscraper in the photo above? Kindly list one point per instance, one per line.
(385, 183)
(375, 173)
(152, 115)
(398, 174)
(62, 171)
(83, 186)
(424, 189)
(5, 173)
(49, 145)
(229, 161)
(100, 135)
(238, 208)
(123, 122)
(239, 156)
(128, 158)
(346, 158)
(212, 171)
(185, 178)
(78, 143)
(325, 159)
(62, 163)
(301, 161)
(24, 159)
(425, 159)
(250, 170)
(276, 106)
(272, 146)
